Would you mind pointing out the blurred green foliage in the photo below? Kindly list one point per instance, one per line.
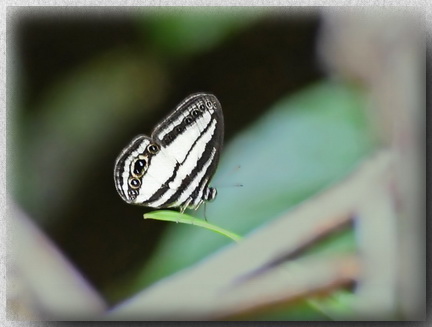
(181, 31)
(75, 120)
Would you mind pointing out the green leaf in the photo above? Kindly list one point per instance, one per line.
(177, 217)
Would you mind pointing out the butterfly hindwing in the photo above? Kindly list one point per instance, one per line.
(179, 159)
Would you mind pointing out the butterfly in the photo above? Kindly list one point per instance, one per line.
(173, 167)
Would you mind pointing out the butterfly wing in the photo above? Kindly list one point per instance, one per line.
(192, 136)
(188, 145)
(130, 164)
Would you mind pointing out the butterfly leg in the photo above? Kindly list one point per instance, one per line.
(198, 205)
(184, 207)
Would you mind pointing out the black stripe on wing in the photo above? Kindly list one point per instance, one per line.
(165, 187)
(178, 111)
(184, 115)
(215, 144)
(188, 180)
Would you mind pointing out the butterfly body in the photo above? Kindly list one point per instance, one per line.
(174, 166)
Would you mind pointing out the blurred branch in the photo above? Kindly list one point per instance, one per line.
(288, 283)
(384, 49)
(41, 283)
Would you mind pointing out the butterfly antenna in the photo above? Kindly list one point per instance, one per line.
(230, 173)
(236, 168)
(231, 185)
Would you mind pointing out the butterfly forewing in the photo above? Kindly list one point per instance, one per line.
(174, 167)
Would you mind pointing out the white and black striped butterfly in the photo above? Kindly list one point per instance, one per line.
(173, 167)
